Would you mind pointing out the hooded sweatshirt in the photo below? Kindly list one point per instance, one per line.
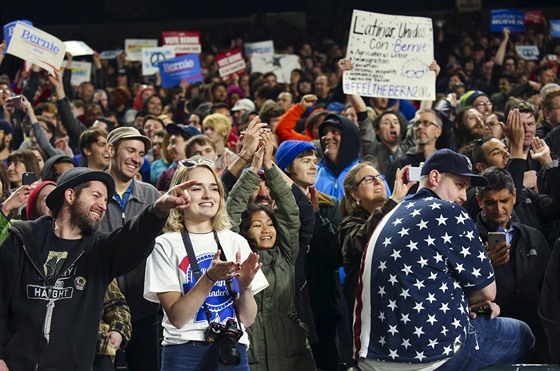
(330, 177)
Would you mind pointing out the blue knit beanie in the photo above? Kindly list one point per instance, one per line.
(289, 150)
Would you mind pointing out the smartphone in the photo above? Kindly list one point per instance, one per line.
(495, 238)
(413, 174)
(14, 101)
(552, 57)
(483, 310)
(28, 178)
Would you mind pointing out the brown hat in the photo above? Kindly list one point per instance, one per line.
(128, 132)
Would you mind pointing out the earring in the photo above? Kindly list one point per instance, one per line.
(357, 202)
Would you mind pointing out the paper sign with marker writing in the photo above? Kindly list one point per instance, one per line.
(9, 30)
(133, 48)
(185, 67)
(152, 56)
(229, 63)
(184, 42)
(281, 64)
(261, 47)
(81, 72)
(38, 47)
(391, 57)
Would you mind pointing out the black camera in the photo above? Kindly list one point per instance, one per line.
(225, 338)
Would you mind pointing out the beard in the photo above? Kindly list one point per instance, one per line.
(81, 219)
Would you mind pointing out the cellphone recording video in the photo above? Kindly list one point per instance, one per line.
(413, 174)
(14, 101)
(28, 178)
(482, 310)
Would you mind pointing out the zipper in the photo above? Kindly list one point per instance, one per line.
(47, 319)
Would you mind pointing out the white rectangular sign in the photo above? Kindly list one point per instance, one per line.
(151, 57)
(78, 48)
(261, 47)
(528, 52)
(281, 64)
(81, 72)
(110, 54)
(36, 46)
(391, 56)
(133, 48)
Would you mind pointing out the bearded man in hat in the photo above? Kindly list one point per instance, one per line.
(55, 271)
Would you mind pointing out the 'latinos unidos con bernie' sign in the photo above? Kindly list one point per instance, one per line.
(391, 57)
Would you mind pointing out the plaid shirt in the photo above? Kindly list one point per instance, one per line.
(116, 317)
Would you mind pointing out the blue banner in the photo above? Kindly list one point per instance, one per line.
(510, 18)
(185, 67)
(9, 30)
(555, 28)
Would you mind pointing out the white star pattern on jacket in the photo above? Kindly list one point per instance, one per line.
(418, 265)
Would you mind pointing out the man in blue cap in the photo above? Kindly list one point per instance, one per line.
(427, 286)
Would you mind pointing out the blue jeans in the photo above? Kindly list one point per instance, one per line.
(500, 341)
(198, 356)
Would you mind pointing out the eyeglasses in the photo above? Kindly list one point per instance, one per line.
(368, 179)
(189, 162)
(483, 104)
(423, 123)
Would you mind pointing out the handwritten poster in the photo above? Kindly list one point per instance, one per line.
(391, 57)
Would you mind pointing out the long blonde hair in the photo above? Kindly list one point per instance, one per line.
(176, 219)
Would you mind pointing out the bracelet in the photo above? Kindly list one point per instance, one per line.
(245, 159)
(210, 278)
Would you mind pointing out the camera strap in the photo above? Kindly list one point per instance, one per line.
(196, 271)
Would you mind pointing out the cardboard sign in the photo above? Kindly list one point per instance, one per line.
(78, 48)
(110, 54)
(183, 68)
(261, 47)
(281, 64)
(9, 30)
(36, 46)
(469, 5)
(229, 63)
(133, 48)
(555, 28)
(184, 42)
(152, 56)
(81, 72)
(391, 57)
(528, 52)
(507, 18)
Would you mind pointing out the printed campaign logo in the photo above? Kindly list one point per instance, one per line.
(36, 46)
(9, 30)
(512, 19)
(219, 301)
(185, 67)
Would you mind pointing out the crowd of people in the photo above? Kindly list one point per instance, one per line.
(265, 225)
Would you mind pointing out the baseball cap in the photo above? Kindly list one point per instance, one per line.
(448, 161)
(186, 132)
(74, 177)
(244, 104)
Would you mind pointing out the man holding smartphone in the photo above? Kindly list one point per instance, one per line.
(519, 261)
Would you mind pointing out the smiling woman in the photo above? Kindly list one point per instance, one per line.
(220, 297)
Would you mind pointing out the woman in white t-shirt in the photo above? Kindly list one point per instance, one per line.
(190, 305)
